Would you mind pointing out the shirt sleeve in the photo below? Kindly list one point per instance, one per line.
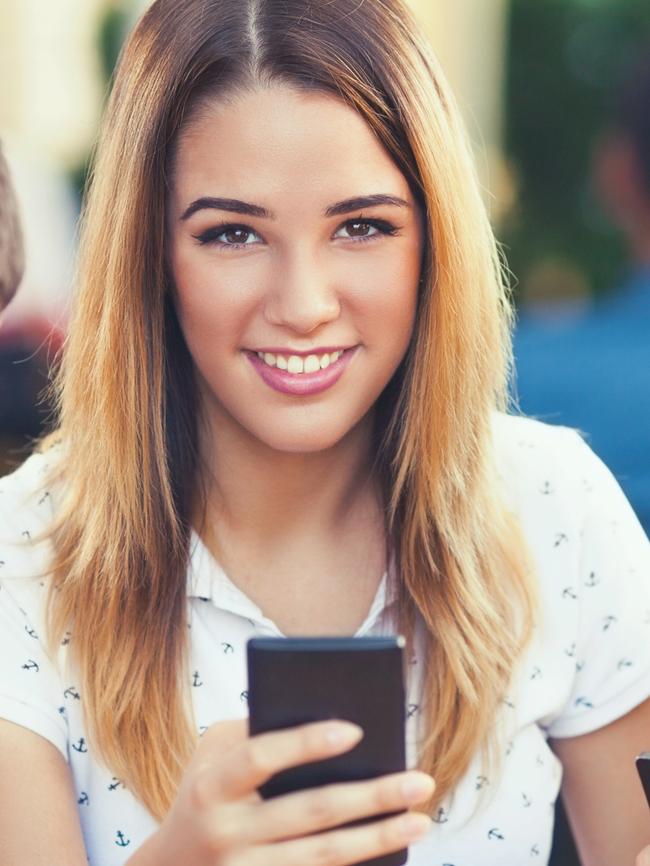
(613, 638)
(31, 693)
(30, 689)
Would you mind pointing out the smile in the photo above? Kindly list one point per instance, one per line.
(296, 364)
(301, 376)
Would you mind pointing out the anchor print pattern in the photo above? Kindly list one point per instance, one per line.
(441, 816)
(608, 622)
(590, 665)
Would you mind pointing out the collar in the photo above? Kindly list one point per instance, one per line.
(207, 581)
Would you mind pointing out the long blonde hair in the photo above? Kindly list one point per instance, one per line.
(129, 410)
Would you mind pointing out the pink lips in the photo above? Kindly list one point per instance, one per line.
(301, 384)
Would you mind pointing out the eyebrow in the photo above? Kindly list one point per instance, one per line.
(348, 205)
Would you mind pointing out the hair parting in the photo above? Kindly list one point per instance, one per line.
(129, 412)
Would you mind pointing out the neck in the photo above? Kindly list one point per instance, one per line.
(268, 497)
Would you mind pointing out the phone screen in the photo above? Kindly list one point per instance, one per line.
(292, 681)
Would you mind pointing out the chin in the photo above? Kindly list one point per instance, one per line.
(302, 441)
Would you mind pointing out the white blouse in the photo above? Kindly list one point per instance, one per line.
(588, 664)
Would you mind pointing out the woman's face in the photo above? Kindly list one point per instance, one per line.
(295, 294)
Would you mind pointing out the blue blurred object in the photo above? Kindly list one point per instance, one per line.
(593, 373)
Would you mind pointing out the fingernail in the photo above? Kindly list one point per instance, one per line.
(414, 825)
(343, 734)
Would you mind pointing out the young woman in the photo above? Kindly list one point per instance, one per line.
(281, 412)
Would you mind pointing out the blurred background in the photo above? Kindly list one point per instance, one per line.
(541, 84)
(556, 96)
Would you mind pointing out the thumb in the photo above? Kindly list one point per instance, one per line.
(226, 735)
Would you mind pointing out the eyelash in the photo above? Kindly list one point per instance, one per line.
(210, 235)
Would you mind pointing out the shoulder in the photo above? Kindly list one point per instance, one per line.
(528, 451)
(26, 498)
(31, 688)
(26, 514)
(591, 651)
(17, 489)
(554, 482)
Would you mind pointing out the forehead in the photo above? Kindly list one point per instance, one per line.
(277, 140)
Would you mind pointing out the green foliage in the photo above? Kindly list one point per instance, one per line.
(110, 36)
(112, 31)
(564, 59)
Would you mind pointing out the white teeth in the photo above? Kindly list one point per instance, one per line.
(312, 363)
(297, 364)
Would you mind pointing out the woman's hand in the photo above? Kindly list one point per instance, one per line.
(218, 819)
(644, 858)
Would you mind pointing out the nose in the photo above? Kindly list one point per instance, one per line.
(303, 296)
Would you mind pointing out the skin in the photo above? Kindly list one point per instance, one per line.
(297, 470)
(294, 469)
(602, 793)
(294, 500)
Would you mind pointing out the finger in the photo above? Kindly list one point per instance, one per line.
(307, 812)
(644, 858)
(340, 847)
(248, 765)
(223, 736)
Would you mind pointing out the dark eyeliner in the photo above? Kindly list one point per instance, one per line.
(210, 235)
(213, 233)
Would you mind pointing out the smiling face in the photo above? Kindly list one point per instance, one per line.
(296, 302)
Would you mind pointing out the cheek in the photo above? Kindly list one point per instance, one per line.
(388, 304)
(213, 306)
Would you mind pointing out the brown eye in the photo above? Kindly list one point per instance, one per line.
(227, 236)
(366, 230)
(236, 236)
(358, 229)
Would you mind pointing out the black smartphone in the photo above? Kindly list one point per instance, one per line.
(643, 767)
(292, 681)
